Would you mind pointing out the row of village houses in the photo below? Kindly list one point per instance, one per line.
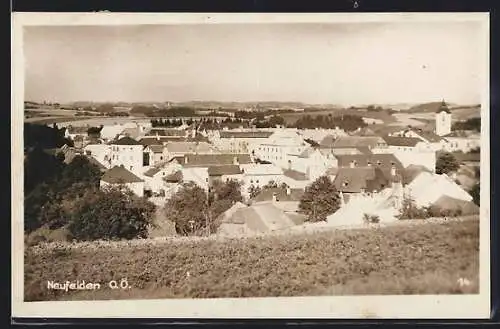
(257, 156)
(373, 172)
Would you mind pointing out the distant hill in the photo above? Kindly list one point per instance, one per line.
(426, 107)
(434, 106)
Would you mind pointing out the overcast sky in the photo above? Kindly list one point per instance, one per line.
(312, 63)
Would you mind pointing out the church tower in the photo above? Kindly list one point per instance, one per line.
(443, 120)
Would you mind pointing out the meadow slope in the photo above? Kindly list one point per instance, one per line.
(423, 259)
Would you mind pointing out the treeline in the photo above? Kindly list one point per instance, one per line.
(203, 123)
(259, 115)
(152, 111)
(470, 124)
(44, 136)
(103, 114)
(168, 123)
(271, 122)
(347, 122)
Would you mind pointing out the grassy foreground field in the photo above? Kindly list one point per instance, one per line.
(424, 259)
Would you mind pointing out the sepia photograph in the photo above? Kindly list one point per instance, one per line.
(251, 165)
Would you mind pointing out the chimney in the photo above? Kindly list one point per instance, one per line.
(235, 161)
(393, 170)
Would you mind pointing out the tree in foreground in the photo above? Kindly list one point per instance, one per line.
(320, 199)
(446, 163)
(194, 210)
(111, 214)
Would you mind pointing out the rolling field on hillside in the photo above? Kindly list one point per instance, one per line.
(424, 259)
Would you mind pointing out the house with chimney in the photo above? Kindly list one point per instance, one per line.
(411, 151)
(353, 144)
(124, 151)
(203, 169)
(281, 147)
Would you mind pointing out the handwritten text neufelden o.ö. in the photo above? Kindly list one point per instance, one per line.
(84, 285)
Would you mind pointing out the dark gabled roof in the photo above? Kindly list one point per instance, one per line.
(224, 170)
(175, 177)
(152, 171)
(156, 148)
(294, 174)
(245, 134)
(281, 195)
(411, 172)
(351, 141)
(382, 160)
(199, 160)
(125, 141)
(120, 175)
(355, 180)
(401, 141)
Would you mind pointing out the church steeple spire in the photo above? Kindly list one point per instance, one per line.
(443, 107)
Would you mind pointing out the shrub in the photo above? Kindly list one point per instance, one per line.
(320, 199)
(111, 214)
(446, 163)
(409, 210)
(45, 234)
